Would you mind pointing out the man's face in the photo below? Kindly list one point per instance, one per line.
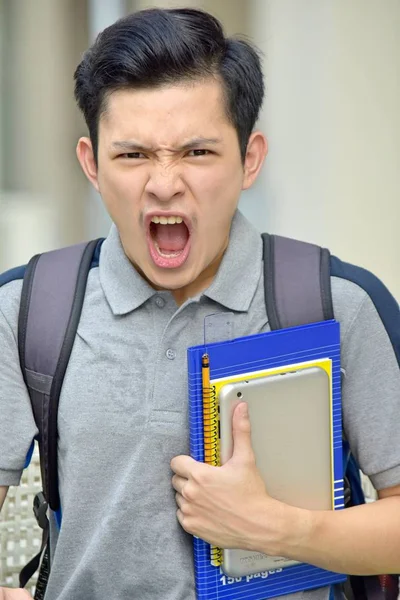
(170, 174)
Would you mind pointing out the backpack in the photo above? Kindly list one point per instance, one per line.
(297, 281)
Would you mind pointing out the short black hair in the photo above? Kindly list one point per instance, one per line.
(157, 47)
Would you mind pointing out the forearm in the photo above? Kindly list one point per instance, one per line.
(364, 540)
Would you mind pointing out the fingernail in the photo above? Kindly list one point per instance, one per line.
(244, 412)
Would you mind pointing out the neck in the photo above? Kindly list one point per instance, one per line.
(194, 288)
(202, 282)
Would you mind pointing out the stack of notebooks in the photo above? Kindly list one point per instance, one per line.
(290, 380)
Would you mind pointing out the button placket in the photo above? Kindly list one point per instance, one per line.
(160, 302)
(169, 406)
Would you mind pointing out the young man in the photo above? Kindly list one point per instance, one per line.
(171, 105)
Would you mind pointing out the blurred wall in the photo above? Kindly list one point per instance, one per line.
(233, 13)
(333, 122)
(2, 95)
(43, 190)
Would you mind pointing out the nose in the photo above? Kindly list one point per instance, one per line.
(165, 183)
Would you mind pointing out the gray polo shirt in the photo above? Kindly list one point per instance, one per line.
(123, 414)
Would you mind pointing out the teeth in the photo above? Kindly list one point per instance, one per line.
(167, 220)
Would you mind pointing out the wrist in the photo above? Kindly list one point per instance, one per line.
(301, 524)
(292, 532)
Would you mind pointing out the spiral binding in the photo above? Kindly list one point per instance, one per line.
(211, 446)
(216, 556)
(211, 435)
(211, 426)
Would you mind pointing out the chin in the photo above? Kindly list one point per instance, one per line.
(170, 283)
(170, 280)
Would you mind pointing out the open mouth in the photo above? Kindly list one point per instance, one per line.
(169, 241)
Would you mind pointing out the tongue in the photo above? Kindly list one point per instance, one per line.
(171, 238)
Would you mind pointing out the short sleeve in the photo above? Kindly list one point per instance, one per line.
(371, 390)
(17, 425)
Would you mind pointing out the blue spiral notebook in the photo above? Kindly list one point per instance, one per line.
(253, 356)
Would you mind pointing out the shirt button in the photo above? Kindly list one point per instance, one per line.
(171, 354)
(160, 302)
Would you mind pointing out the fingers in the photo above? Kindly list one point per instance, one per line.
(241, 430)
(178, 483)
(184, 513)
(183, 465)
(178, 500)
(14, 594)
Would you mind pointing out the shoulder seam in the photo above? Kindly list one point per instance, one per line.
(354, 319)
(385, 305)
(360, 306)
(14, 274)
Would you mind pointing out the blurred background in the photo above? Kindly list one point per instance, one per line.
(331, 114)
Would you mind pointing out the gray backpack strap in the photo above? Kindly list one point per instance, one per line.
(52, 297)
(51, 302)
(297, 282)
(297, 286)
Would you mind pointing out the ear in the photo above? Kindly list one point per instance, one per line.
(84, 152)
(257, 150)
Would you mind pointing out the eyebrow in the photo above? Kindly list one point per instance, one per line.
(133, 146)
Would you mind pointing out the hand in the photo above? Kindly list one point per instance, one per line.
(229, 506)
(9, 594)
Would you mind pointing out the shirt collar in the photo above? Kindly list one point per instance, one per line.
(122, 285)
(233, 287)
(239, 273)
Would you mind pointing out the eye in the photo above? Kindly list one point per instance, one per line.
(199, 152)
(132, 155)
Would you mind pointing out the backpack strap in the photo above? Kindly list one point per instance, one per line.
(297, 282)
(52, 297)
(51, 302)
(297, 287)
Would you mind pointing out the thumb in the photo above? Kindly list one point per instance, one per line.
(14, 594)
(241, 432)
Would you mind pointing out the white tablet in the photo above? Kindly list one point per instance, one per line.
(290, 417)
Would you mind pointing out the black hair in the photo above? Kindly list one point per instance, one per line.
(158, 47)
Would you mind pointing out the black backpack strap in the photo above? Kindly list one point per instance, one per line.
(40, 560)
(52, 297)
(297, 282)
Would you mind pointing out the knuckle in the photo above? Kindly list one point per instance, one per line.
(187, 524)
(190, 492)
(186, 508)
(202, 476)
(183, 505)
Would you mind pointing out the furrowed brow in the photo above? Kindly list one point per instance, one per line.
(199, 143)
(130, 146)
(133, 146)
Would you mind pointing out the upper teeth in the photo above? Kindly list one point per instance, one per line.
(167, 220)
